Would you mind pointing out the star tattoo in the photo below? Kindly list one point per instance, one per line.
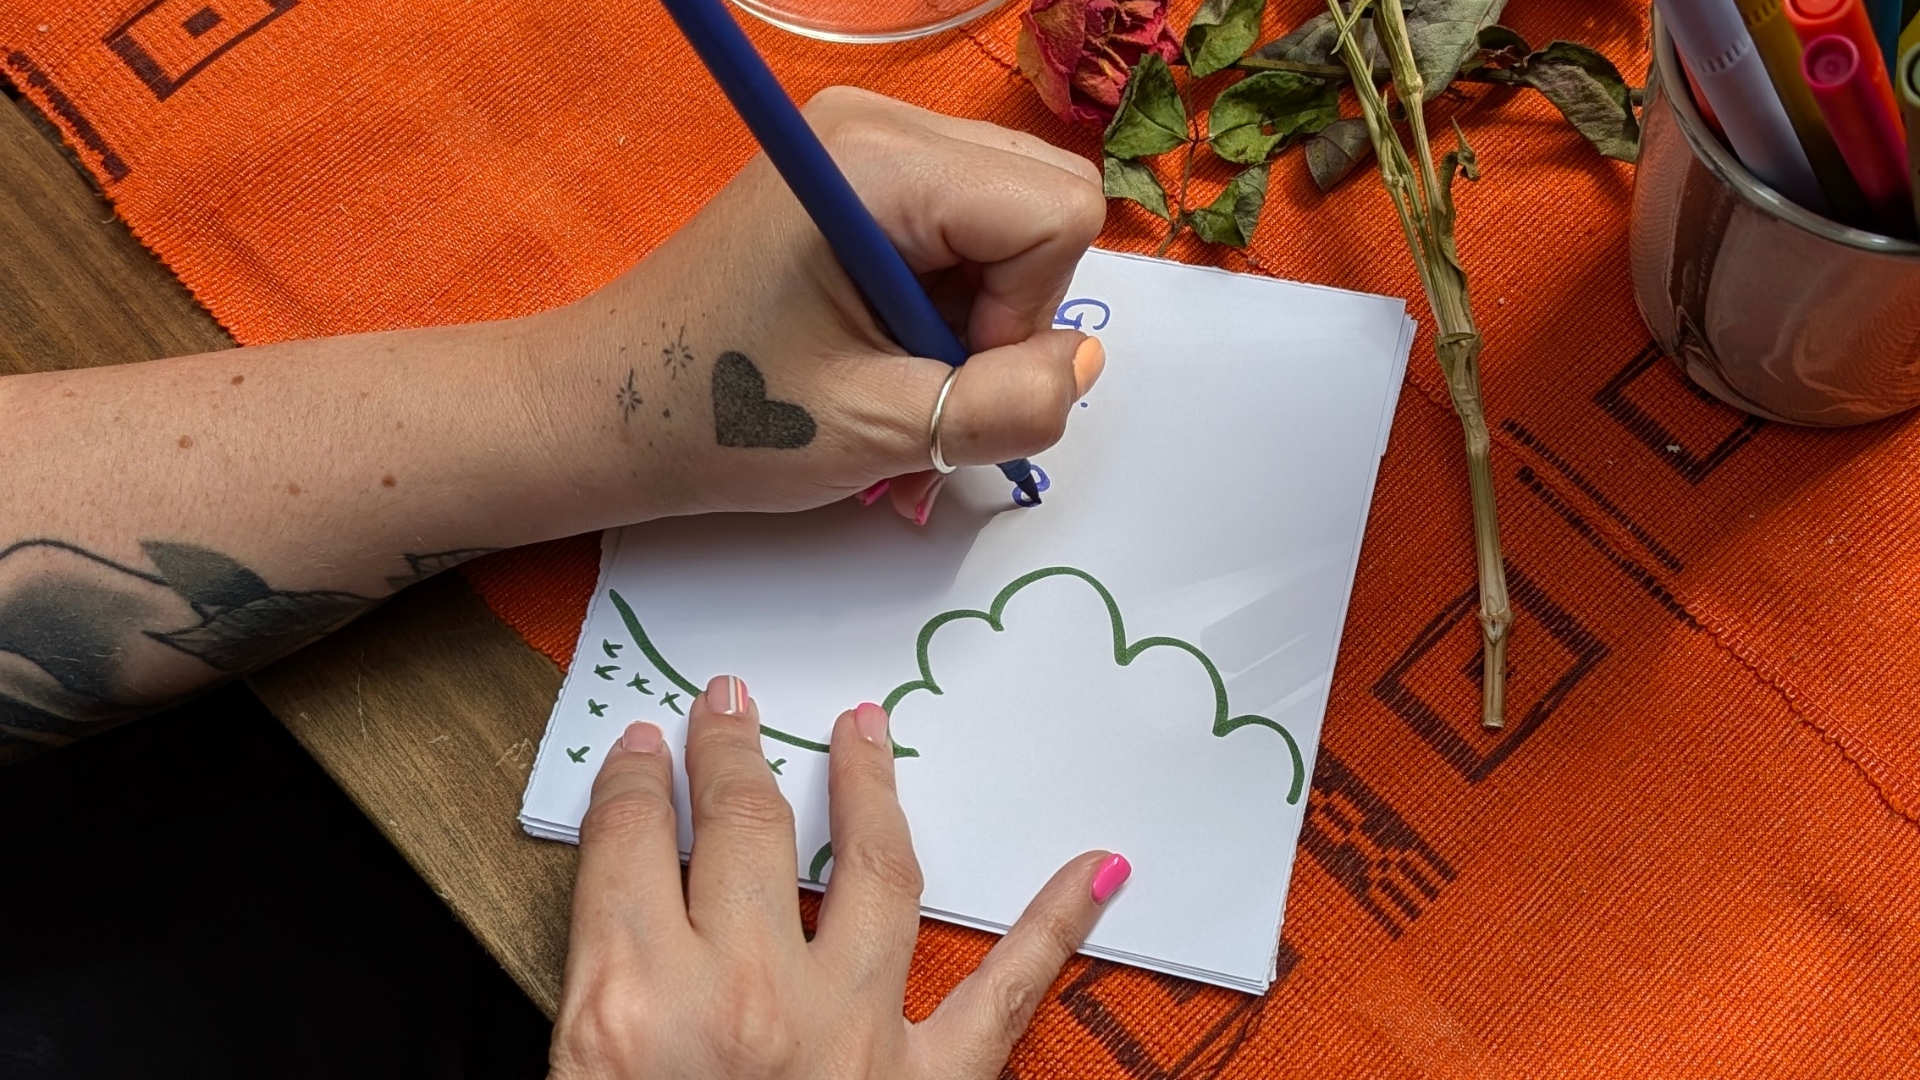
(675, 356)
(629, 397)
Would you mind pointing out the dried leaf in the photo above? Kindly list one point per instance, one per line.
(1312, 42)
(1221, 33)
(1443, 33)
(1135, 182)
(1256, 114)
(1499, 43)
(1151, 118)
(1462, 160)
(1589, 92)
(1337, 150)
(1236, 213)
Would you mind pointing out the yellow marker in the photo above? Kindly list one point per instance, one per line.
(1779, 49)
(1906, 84)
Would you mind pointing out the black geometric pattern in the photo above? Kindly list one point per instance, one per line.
(1477, 761)
(1386, 866)
(1695, 454)
(192, 30)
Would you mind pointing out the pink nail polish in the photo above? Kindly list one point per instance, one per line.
(727, 695)
(870, 721)
(641, 738)
(1112, 874)
(872, 494)
(925, 509)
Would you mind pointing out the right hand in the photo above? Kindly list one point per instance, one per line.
(718, 980)
(748, 296)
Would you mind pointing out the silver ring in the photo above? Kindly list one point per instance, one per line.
(933, 426)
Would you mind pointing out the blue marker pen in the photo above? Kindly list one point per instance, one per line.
(870, 259)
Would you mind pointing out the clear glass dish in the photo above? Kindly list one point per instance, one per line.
(867, 21)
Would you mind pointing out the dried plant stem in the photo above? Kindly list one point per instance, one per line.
(1423, 199)
(1179, 219)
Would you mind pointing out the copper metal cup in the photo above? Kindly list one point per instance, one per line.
(1765, 305)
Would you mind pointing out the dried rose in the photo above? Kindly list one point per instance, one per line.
(1077, 53)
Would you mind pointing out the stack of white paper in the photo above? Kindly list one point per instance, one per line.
(1141, 664)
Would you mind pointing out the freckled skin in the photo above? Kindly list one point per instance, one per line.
(568, 421)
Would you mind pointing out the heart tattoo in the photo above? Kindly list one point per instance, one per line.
(742, 415)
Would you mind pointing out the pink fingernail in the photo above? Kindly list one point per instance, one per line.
(872, 494)
(641, 738)
(1112, 874)
(727, 695)
(925, 509)
(870, 721)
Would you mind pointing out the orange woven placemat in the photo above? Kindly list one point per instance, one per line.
(1693, 852)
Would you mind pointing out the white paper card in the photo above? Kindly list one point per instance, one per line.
(1141, 664)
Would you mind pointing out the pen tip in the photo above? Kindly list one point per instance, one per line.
(1030, 489)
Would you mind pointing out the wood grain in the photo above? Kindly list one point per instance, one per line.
(76, 289)
(427, 710)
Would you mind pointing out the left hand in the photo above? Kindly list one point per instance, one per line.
(718, 980)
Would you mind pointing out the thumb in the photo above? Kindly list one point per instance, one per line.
(1013, 401)
(974, 1029)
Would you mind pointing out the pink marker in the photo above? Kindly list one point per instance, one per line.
(1868, 134)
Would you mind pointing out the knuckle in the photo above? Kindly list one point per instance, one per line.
(1086, 206)
(864, 771)
(891, 867)
(830, 102)
(756, 1035)
(1011, 1001)
(625, 817)
(1059, 939)
(859, 136)
(600, 1031)
(1048, 399)
(749, 805)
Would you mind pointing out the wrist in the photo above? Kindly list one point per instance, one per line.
(615, 400)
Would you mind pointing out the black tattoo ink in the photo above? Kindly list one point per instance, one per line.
(742, 414)
(422, 567)
(675, 356)
(84, 639)
(245, 621)
(629, 398)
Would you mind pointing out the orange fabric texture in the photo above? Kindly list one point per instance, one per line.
(1695, 850)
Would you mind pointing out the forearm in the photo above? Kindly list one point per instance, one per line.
(169, 524)
(164, 525)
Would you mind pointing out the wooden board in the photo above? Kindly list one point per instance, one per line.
(428, 710)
